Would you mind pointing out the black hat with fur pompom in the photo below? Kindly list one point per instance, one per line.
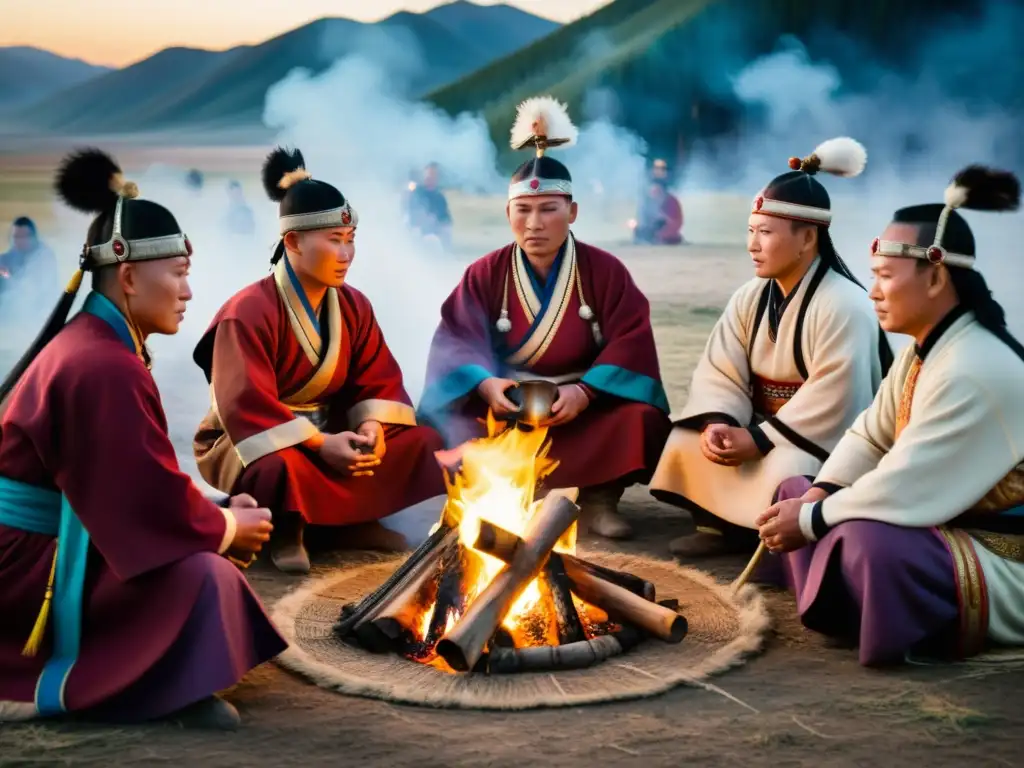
(303, 202)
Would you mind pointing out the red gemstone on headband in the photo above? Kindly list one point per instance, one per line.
(118, 247)
(346, 218)
(794, 163)
(188, 246)
(534, 183)
(874, 246)
(758, 202)
(936, 255)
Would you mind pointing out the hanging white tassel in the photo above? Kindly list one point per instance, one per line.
(504, 325)
(586, 313)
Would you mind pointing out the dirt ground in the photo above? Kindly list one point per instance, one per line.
(802, 702)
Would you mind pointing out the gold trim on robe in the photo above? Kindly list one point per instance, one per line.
(538, 341)
(972, 591)
(384, 411)
(219, 460)
(769, 396)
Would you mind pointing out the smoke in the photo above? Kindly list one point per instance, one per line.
(919, 130)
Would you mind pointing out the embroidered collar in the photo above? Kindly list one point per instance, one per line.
(939, 330)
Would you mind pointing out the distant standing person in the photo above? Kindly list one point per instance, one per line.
(28, 263)
(428, 207)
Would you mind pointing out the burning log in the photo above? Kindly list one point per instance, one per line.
(620, 603)
(502, 544)
(402, 585)
(584, 653)
(463, 645)
(451, 594)
(570, 628)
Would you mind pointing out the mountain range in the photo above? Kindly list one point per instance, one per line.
(197, 88)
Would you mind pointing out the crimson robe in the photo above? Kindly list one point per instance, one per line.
(162, 619)
(620, 435)
(279, 373)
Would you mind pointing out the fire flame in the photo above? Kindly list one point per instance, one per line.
(497, 483)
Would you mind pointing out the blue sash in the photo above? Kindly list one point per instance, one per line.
(45, 511)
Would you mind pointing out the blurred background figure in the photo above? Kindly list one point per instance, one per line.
(428, 212)
(659, 218)
(239, 218)
(194, 181)
(28, 269)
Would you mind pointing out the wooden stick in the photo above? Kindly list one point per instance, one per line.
(464, 644)
(619, 602)
(623, 605)
(422, 561)
(744, 577)
(502, 544)
(570, 628)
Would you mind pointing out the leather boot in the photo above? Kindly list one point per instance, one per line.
(599, 512)
(211, 713)
(287, 550)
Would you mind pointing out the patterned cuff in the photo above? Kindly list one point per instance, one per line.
(812, 521)
(761, 440)
(828, 488)
(590, 393)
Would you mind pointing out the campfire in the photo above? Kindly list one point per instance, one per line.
(497, 586)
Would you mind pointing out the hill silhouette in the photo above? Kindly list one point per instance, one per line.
(28, 74)
(197, 88)
(667, 65)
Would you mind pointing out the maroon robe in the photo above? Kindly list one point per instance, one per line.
(253, 439)
(166, 621)
(619, 437)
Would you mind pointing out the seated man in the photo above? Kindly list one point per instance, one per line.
(911, 538)
(549, 307)
(117, 601)
(789, 365)
(309, 413)
(28, 270)
(660, 220)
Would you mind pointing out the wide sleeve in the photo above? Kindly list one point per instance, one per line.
(462, 350)
(843, 363)
(243, 383)
(117, 468)
(869, 438)
(627, 364)
(374, 389)
(720, 386)
(953, 452)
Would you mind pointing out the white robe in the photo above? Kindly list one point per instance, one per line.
(964, 436)
(839, 339)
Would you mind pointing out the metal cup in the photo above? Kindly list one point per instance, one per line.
(534, 398)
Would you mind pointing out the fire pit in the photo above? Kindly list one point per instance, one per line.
(497, 586)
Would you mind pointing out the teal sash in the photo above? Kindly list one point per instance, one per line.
(45, 511)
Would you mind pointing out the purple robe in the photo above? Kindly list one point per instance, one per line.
(619, 437)
(888, 588)
(163, 620)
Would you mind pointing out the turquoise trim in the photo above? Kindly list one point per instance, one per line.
(456, 384)
(42, 510)
(628, 385)
(301, 293)
(29, 507)
(68, 598)
(99, 305)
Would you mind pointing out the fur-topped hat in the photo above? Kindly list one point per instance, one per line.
(541, 123)
(303, 202)
(798, 195)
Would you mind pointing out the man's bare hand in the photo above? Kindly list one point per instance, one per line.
(344, 454)
(492, 391)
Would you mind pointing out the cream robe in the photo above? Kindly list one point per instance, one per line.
(964, 435)
(839, 337)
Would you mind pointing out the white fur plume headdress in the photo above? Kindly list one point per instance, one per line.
(542, 122)
(841, 156)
